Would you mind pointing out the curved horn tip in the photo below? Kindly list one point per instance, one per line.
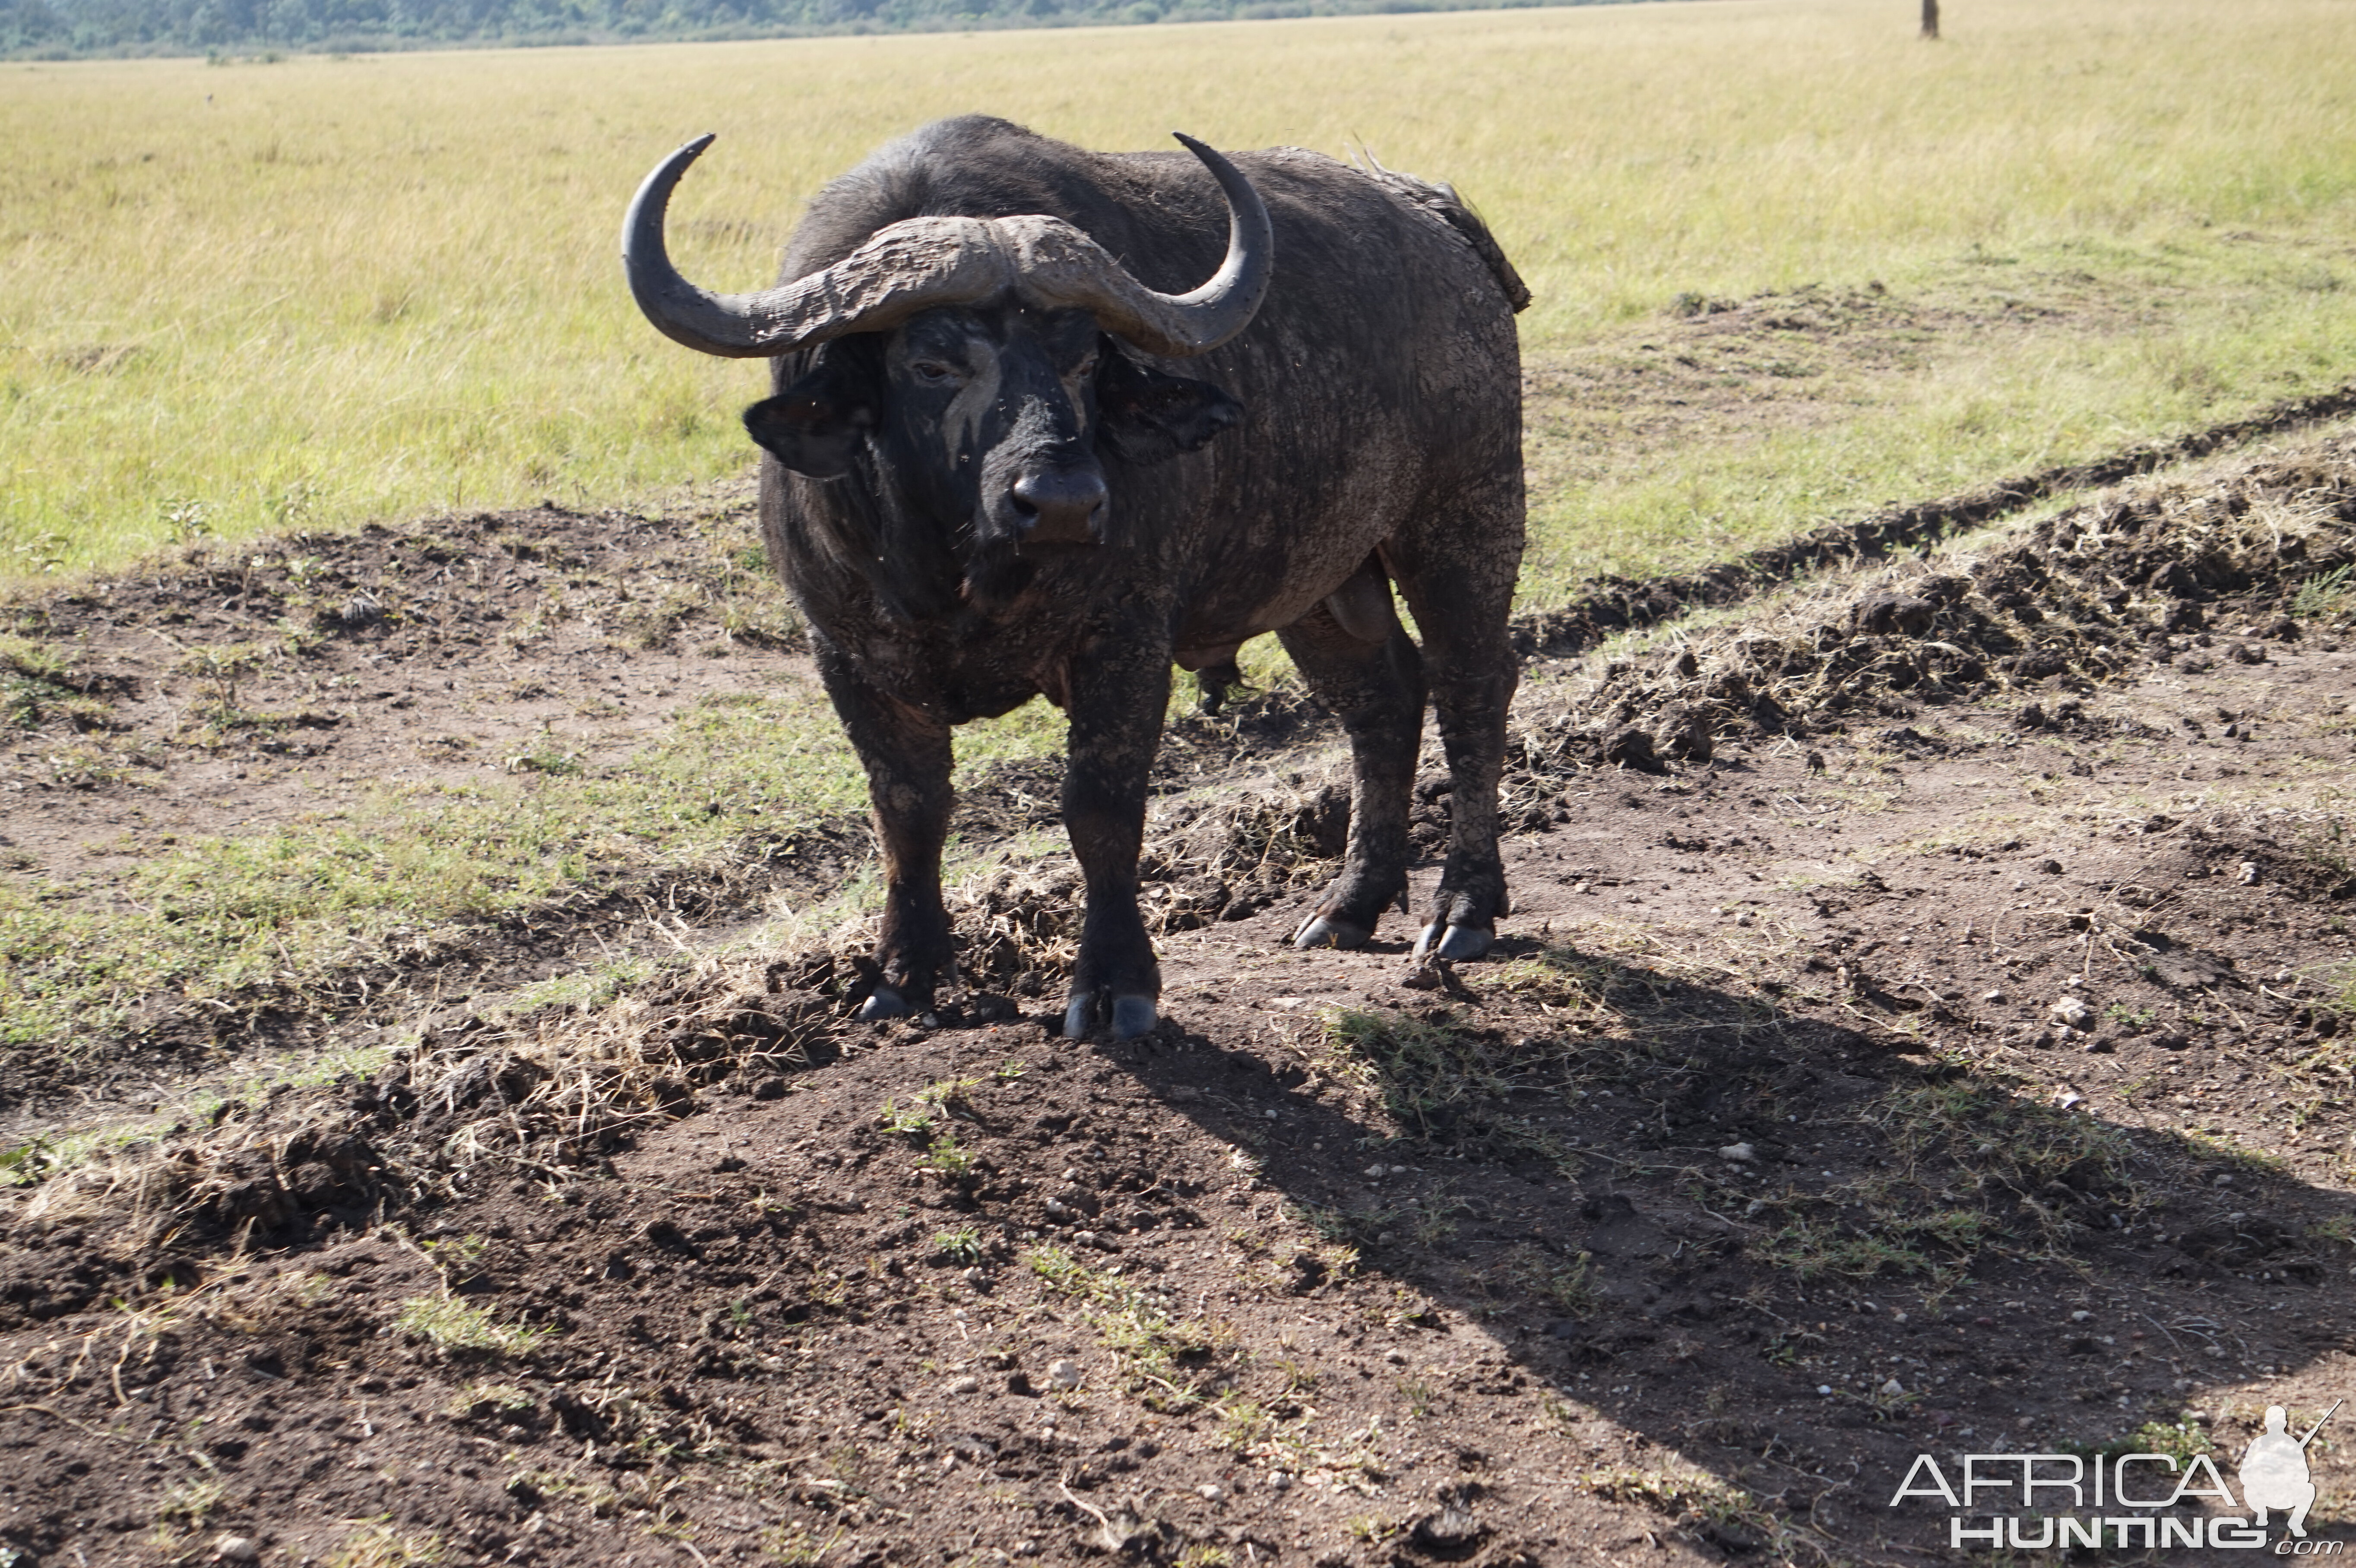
(695, 145)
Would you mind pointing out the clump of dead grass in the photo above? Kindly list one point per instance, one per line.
(546, 1095)
(41, 682)
(1694, 1498)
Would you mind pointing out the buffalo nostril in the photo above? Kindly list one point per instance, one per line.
(1059, 505)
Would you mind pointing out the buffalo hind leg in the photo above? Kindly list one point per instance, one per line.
(906, 753)
(1459, 584)
(1119, 693)
(1374, 685)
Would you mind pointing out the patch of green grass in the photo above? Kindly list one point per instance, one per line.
(906, 1120)
(218, 669)
(1063, 1273)
(30, 1163)
(1566, 1284)
(797, 1546)
(1442, 1075)
(378, 1545)
(400, 868)
(1169, 1360)
(1682, 1491)
(2179, 1440)
(1970, 1170)
(39, 682)
(1425, 1067)
(456, 1325)
(189, 1501)
(962, 1245)
(47, 1154)
(544, 756)
(1243, 1426)
(2045, 368)
(947, 1157)
(2006, 1143)
(925, 1107)
(1163, 1358)
(582, 990)
(480, 1400)
(457, 1259)
(1890, 1244)
(2328, 596)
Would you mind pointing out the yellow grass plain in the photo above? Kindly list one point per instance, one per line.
(324, 290)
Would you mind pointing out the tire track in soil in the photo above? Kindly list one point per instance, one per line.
(1621, 604)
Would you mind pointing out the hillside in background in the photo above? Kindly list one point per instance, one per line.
(59, 29)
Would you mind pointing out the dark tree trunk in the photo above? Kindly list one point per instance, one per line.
(1930, 19)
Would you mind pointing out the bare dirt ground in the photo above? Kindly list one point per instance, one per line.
(1923, 1029)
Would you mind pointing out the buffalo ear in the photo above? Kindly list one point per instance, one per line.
(815, 426)
(1147, 416)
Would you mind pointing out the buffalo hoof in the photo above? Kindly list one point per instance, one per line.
(1457, 944)
(884, 1003)
(1132, 1016)
(1330, 930)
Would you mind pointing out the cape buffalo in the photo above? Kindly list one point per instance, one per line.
(986, 480)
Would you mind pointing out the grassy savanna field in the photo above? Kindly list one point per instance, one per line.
(322, 289)
(244, 299)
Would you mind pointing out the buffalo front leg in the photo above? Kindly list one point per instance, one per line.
(1370, 675)
(1119, 693)
(907, 753)
(1459, 583)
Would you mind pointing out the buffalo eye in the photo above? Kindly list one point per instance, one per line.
(933, 373)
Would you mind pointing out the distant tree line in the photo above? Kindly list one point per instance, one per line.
(63, 29)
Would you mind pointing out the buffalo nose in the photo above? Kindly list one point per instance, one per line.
(1059, 505)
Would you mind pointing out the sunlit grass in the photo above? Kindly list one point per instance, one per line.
(2047, 355)
(401, 867)
(311, 292)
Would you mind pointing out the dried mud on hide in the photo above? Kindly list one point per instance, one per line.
(1927, 1024)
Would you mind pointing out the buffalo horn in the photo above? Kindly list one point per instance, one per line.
(927, 261)
(1064, 267)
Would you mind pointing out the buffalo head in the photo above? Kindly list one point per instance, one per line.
(982, 364)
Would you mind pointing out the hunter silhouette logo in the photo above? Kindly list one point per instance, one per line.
(2274, 1470)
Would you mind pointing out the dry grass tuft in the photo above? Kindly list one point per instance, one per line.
(546, 1095)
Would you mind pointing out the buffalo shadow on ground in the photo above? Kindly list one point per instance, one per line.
(1728, 1228)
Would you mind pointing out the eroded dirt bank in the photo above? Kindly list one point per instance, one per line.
(1923, 1028)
